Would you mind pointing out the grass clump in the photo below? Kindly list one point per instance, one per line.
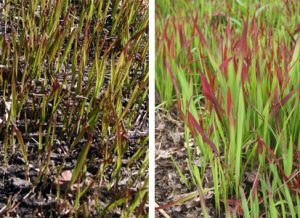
(74, 90)
(233, 69)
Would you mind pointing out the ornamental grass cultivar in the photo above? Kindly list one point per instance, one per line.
(73, 108)
(232, 69)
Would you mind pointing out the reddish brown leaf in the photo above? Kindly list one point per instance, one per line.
(165, 34)
(181, 35)
(258, 71)
(297, 29)
(228, 30)
(287, 180)
(235, 206)
(276, 107)
(245, 69)
(208, 92)
(176, 90)
(259, 145)
(255, 186)
(193, 123)
(243, 40)
(174, 81)
(202, 38)
(254, 34)
(224, 65)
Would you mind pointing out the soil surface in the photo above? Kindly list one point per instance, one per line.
(169, 187)
(24, 194)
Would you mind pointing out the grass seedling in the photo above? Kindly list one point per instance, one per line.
(73, 82)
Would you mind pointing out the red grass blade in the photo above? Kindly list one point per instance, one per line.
(176, 90)
(181, 35)
(202, 38)
(224, 65)
(297, 29)
(288, 181)
(193, 123)
(174, 81)
(165, 34)
(254, 34)
(276, 107)
(255, 186)
(243, 41)
(208, 92)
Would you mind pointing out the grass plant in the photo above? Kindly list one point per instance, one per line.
(73, 76)
(233, 68)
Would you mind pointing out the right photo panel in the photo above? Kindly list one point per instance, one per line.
(227, 108)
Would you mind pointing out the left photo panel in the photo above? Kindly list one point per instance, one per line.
(74, 108)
